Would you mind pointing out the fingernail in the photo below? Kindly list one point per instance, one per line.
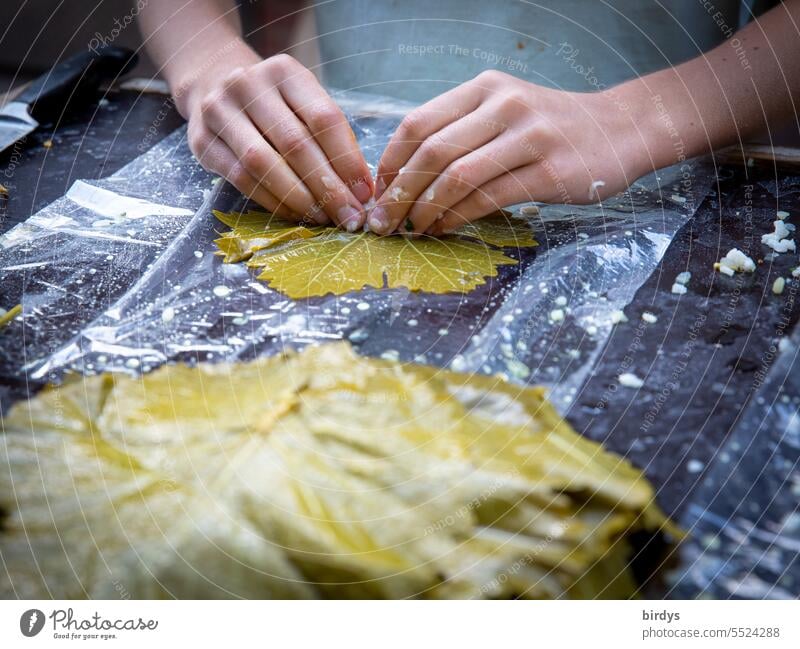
(361, 191)
(378, 219)
(349, 218)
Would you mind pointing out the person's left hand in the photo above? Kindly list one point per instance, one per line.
(497, 140)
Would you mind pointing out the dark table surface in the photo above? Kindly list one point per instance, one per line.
(709, 349)
(705, 357)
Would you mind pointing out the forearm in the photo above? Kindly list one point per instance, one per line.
(188, 39)
(746, 86)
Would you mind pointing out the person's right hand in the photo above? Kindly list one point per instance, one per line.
(272, 131)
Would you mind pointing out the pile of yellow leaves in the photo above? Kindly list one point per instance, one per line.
(306, 475)
(304, 261)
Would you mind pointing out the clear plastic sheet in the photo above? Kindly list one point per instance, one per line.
(80, 254)
(121, 275)
(745, 517)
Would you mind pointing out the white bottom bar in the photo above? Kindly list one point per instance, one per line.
(402, 624)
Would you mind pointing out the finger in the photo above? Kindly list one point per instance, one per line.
(294, 142)
(528, 183)
(330, 129)
(217, 157)
(443, 150)
(419, 125)
(253, 190)
(464, 176)
(259, 159)
(486, 158)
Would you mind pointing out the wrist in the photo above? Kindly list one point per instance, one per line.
(622, 113)
(659, 112)
(188, 83)
(645, 138)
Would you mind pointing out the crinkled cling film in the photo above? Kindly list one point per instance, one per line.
(313, 474)
(305, 261)
(120, 275)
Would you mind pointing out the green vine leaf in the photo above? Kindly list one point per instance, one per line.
(305, 261)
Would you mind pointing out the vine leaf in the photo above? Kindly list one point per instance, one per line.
(305, 261)
(322, 473)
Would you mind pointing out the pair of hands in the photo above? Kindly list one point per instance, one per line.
(270, 129)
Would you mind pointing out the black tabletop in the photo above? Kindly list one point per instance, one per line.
(705, 356)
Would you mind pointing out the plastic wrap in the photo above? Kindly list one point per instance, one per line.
(121, 275)
(744, 516)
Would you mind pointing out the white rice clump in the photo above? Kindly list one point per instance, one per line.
(629, 380)
(777, 238)
(736, 261)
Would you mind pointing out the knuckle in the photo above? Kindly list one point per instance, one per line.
(294, 140)
(492, 160)
(483, 203)
(431, 151)
(544, 130)
(235, 77)
(477, 204)
(387, 166)
(201, 145)
(412, 126)
(541, 134)
(427, 155)
(254, 158)
(196, 136)
(209, 105)
(458, 176)
(489, 78)
(282, 62)
(515, 103)
(239, 177)
(508, 104)
(201, 152)
(349, 175)
(206, 105)
(352, 170)
(207, 163)
(522, 98)
(323, 118)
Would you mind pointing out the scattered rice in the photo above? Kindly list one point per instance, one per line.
(593, 193)
(398, 194)
(629, 380)
(777, 239)
(735, 261)
(618, 316)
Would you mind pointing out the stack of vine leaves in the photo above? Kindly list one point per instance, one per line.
(312, 474)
